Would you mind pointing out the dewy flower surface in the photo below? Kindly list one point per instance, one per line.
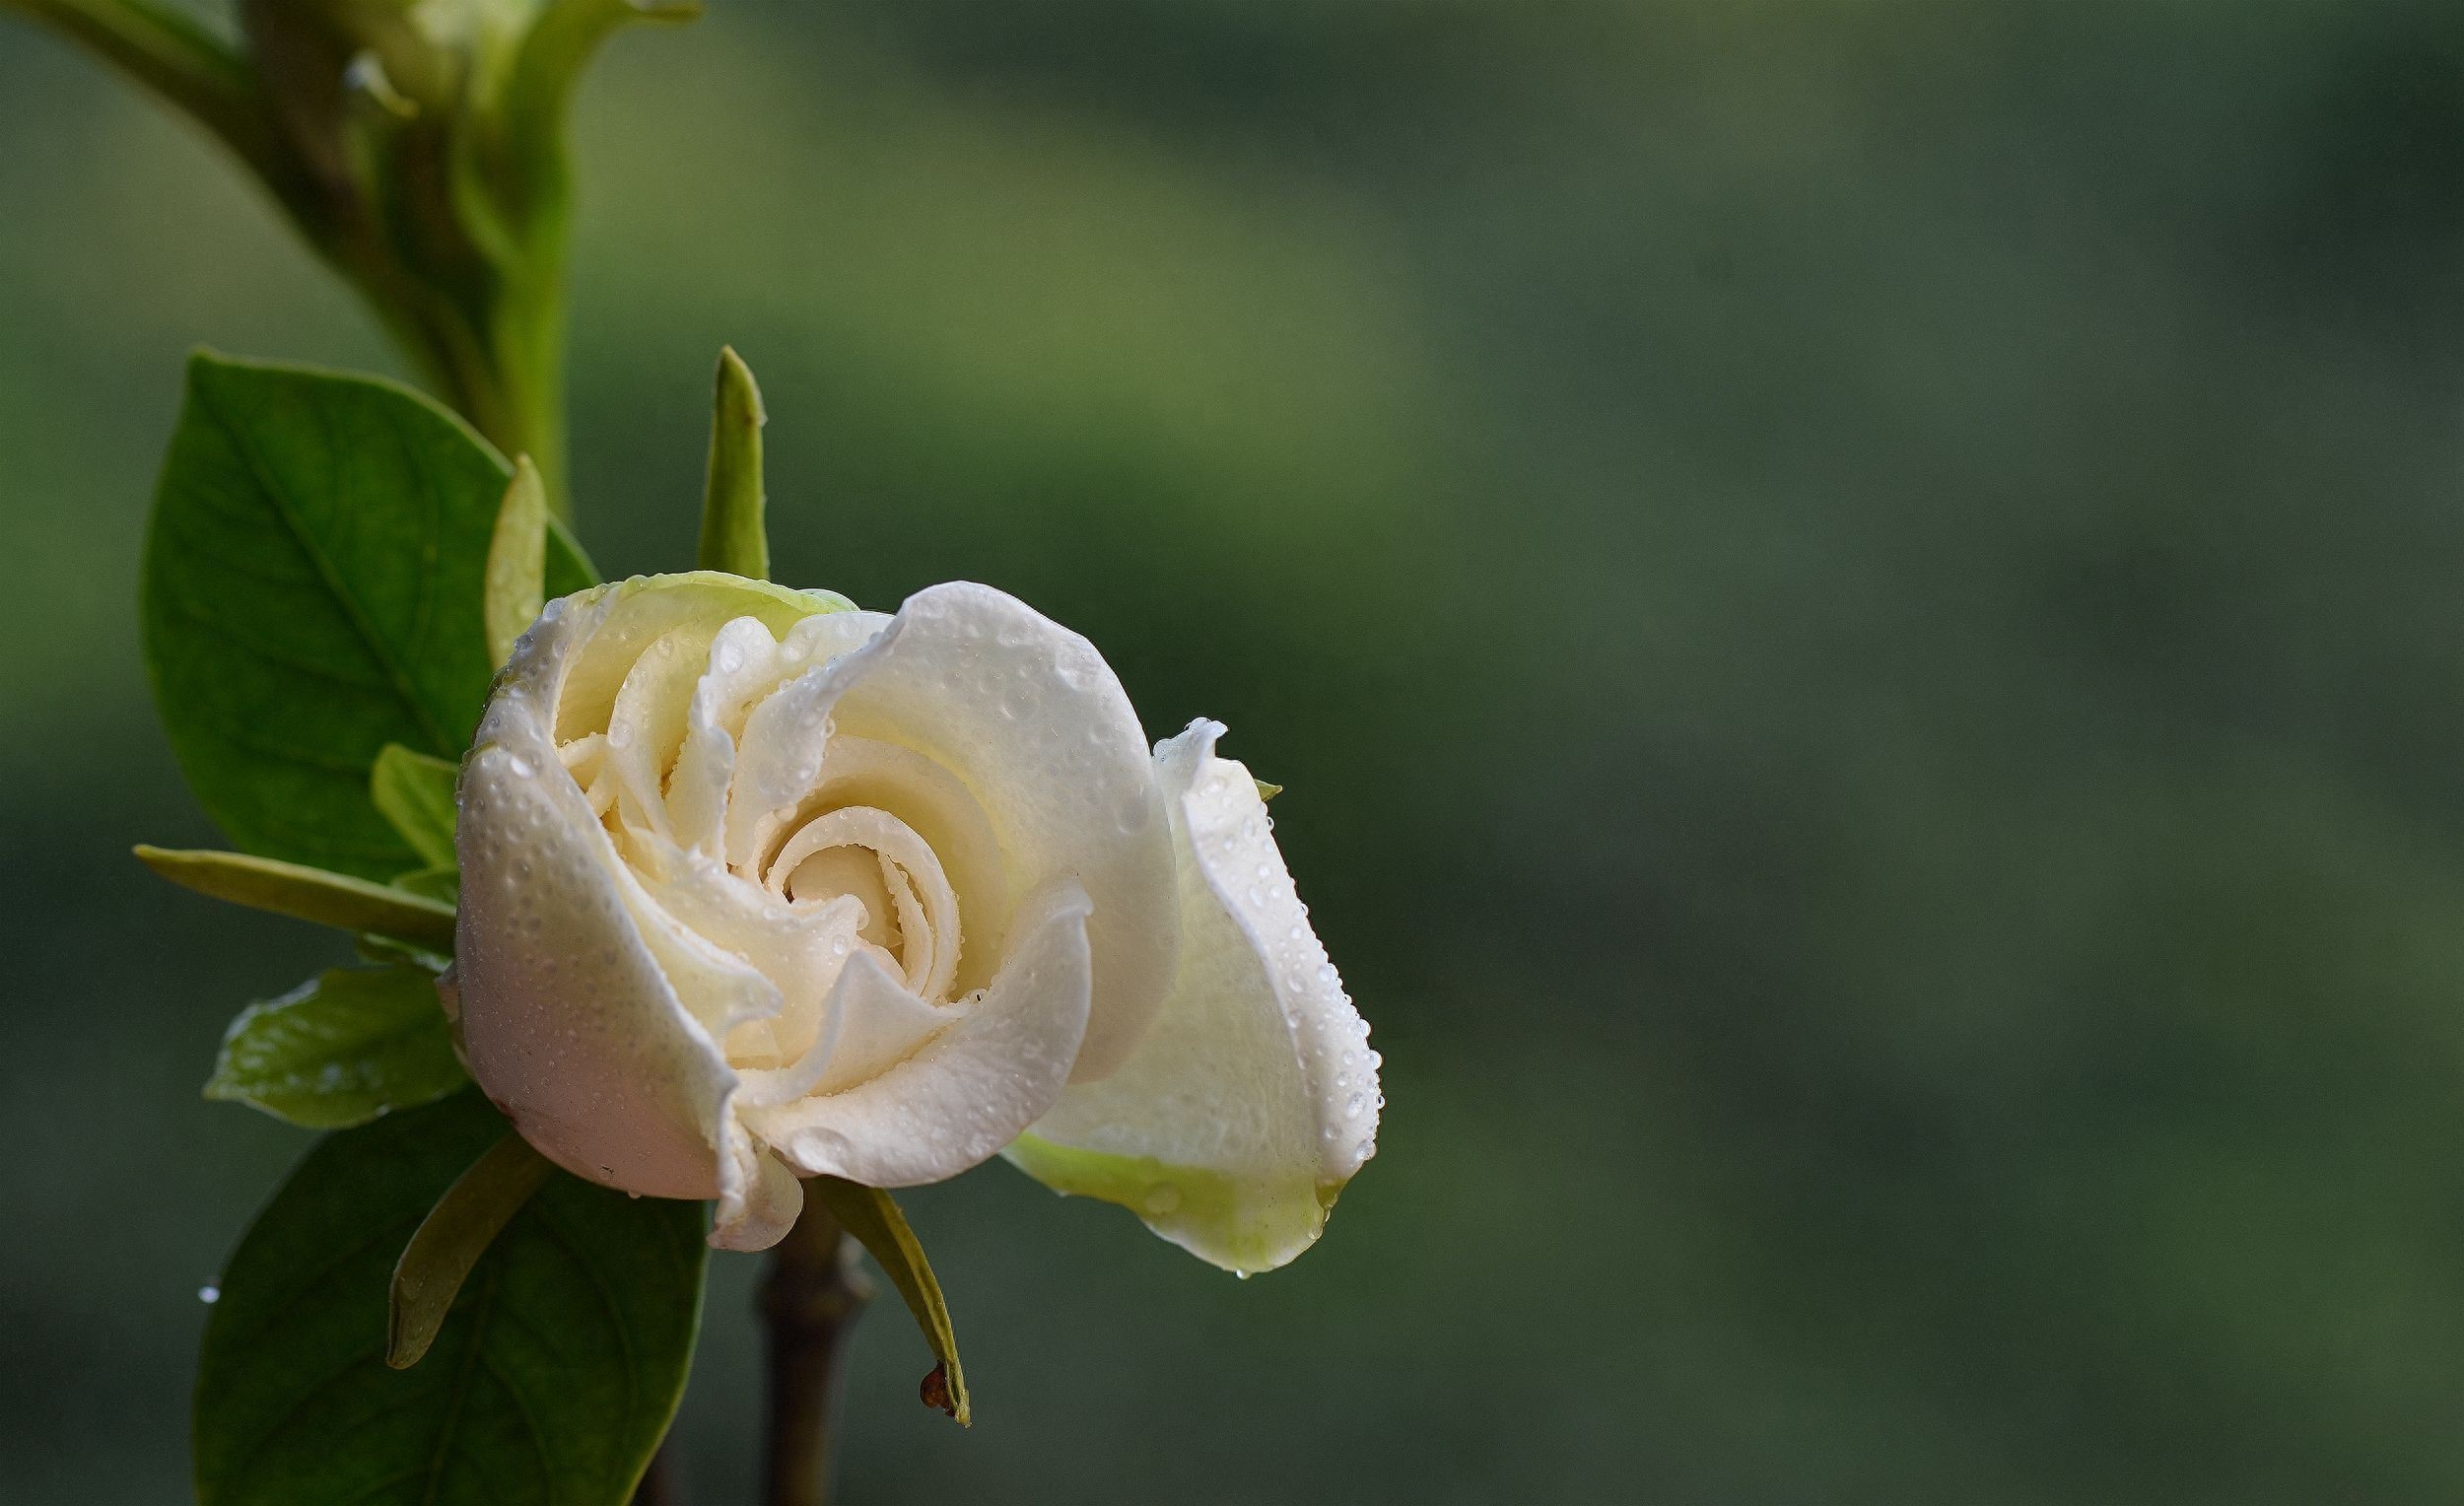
(756, 885)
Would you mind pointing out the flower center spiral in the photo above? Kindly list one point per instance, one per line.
(911, 911)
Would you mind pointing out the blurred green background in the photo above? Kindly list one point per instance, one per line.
(1858, 605)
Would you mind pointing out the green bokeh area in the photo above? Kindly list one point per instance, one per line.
(1861, 609)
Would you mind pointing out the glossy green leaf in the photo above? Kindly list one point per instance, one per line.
(733, 538)
(415, 794)
(456, 1232)
(341, 1050)
(518, 555)
(874, 1217)
(313, 592)
(308, 894)
(550, 1383)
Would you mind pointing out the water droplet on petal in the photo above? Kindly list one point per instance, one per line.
(209, 1295)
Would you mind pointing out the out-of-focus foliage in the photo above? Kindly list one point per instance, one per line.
(1858, 607)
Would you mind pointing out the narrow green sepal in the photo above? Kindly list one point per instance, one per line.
(340, 1050)
(874, 1217)
(443, 883)
(450, 1241)
(1267, 791)
(308, 894)
(732, 535)
(387, 952)
(517, 559)
(413, 793)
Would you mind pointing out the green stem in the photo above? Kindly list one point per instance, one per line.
(810, 1301)
(488, 340)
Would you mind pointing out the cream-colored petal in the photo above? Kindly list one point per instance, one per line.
(743, 932)
(744, 663)
(647, 723)
(1255, 1097)
(938, 807)
(780, 757)
(757, 1201)
(971, 1087)
(782, 742)
(625, 617)
(567, 1019)
(1028, 716)
(872, 1024)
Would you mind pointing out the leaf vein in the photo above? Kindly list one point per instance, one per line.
(352, 608)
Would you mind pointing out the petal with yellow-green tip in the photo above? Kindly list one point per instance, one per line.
(1254, 1097)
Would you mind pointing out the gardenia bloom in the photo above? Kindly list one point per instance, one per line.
(758, 886)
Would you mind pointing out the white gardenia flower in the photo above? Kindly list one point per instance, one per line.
(758, 886)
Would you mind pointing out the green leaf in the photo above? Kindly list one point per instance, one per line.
(874, 1217)
(517, 556)
(415, 794)
(341, 1050)
(732, 535)
(456, 1232)
(308, 894)
(387, 953)
(313, 592)
(443, 884)
(550, 1383)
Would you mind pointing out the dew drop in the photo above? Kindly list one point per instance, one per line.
(1354, 1104)
(520, 765)
(209, 1295)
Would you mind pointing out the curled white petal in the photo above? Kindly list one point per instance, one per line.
(969, 1089)
(759, 886)
(1255, 1097)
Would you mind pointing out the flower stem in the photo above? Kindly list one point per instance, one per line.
(810, 1302)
